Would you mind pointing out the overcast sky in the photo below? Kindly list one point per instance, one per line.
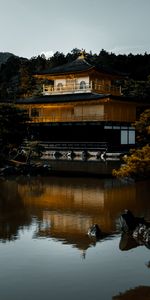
(31, 27)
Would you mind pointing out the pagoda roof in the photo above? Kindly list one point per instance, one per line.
(62, 98)
(78, 65)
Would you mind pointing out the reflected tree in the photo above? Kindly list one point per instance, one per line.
(13, 214)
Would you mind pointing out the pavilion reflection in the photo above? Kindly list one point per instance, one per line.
(64, 208)
(69, 206)
(68, 229)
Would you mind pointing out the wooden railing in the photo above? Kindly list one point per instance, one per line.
(66, 89)
(106, 89)
(70, 89)
(74, 145)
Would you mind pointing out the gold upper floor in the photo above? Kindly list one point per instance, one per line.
(82, 87)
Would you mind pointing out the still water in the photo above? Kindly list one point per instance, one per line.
(45, 252)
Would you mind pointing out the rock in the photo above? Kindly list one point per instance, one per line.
(136, 227)
(128, 222)
(95, 231)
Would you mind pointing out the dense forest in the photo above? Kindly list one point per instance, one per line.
(16, 80)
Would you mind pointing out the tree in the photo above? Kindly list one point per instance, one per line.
(58, 59)
(142, 127)
(13, 128)
(137, 163)
(75, 53)
(26, 81)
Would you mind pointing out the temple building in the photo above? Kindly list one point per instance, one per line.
(81, 103)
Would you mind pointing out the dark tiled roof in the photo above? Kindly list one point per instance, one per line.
(80, 65)
(62, 98)
(77, 65)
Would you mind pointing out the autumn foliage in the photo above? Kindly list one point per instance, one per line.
(137, 163)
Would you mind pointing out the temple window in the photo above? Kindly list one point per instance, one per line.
(59, 86)
(127, 137)
(35, 112)
(82, 85)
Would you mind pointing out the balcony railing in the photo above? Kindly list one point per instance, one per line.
(77, 88)
(106, 89)
(66, 89)
(49, 119)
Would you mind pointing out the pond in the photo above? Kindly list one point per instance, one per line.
(45, 252)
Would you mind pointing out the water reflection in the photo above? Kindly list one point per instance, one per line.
(48, 218)
(13, 212)
(64, 208)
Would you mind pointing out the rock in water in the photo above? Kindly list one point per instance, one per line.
(94, 231)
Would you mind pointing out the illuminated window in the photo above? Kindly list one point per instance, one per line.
(131, 136)
(127, 137)
(124, 137)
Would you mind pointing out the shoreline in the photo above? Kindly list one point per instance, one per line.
(62, 168)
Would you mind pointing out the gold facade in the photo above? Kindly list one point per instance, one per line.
(100, 110)
(91, 95)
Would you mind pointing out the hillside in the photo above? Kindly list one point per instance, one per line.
(4, 56)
